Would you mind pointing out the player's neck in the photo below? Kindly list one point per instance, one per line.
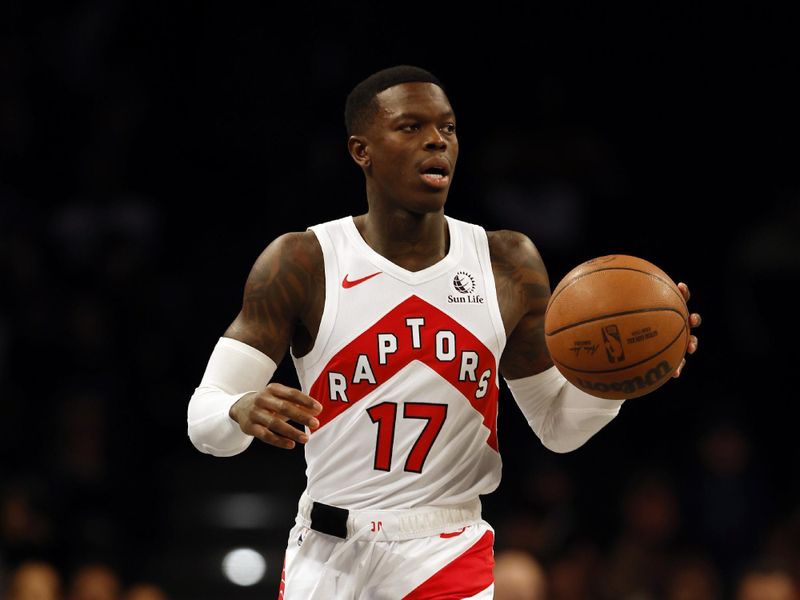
(411, 241)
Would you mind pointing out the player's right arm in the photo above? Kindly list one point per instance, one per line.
(235, 401)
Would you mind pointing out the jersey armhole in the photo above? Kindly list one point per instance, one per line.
(330, 305)
(484, 257)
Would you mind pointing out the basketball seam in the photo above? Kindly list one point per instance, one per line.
(670, 285)
(618, 314)
(644, 360)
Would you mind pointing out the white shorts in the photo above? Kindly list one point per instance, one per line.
(414, 554)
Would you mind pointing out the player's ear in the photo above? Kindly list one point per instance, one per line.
(359, 150)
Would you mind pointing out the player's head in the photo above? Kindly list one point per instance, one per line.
(401, 130)
(34, 579)
(518, 576)
(362, 104)
(767, 579)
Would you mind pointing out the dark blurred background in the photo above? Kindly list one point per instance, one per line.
(149, 151)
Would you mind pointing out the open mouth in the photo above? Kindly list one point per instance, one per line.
(437, 175)
(436, 178)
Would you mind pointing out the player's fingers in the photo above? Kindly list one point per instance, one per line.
(692, 348)
(288, 410)
(279, 427)
(290, 432)
(296, 396)
(684, 290)
(266, 436)
(695, 320)
(677, 372)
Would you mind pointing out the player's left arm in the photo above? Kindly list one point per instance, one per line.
(562, 416)
(523, 291)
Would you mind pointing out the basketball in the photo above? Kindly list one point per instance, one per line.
(617, 327)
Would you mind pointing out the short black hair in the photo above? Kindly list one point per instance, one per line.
(361, 106)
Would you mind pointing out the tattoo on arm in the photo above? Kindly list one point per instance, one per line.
(278, 294)
(523, 290)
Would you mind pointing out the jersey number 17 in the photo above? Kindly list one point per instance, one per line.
(385, 415)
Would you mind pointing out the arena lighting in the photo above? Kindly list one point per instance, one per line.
(244, 510)
(244, 566)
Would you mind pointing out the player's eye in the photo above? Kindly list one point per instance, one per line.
(450, 128)
(409, 127)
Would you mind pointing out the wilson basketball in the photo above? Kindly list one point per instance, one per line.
(617, 327)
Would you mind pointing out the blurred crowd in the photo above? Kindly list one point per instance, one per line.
(36, 580)
(713, 536)
(519, 576)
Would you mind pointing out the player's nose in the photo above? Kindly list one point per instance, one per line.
(434, 139)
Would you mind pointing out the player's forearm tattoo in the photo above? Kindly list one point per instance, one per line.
(526, 352)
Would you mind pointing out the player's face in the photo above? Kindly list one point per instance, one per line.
(413, 147)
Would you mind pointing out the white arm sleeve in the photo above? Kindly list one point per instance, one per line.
(562, 416)
(234, 370)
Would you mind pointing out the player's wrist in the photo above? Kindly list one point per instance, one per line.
(235, 371)
(237, 410)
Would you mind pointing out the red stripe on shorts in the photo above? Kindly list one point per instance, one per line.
(470, 573)
(452, 534)
(283, 580)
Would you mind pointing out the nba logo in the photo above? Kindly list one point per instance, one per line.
(613, 344)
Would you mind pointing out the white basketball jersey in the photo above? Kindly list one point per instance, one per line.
(405, 367)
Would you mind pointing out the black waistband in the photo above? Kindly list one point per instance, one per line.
(329, 519)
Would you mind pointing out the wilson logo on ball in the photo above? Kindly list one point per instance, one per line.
(649, 379)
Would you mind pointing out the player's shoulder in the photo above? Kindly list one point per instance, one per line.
(289, 260)
(508, 247)
(295, 246)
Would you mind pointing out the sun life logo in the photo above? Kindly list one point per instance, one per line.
(464, 283)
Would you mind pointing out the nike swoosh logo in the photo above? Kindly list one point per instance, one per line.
(348, 283)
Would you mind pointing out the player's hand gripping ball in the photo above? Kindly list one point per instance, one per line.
(617, 327)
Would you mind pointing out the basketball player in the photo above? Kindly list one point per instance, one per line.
(399, 322)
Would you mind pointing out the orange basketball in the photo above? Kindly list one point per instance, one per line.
(617, 327)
